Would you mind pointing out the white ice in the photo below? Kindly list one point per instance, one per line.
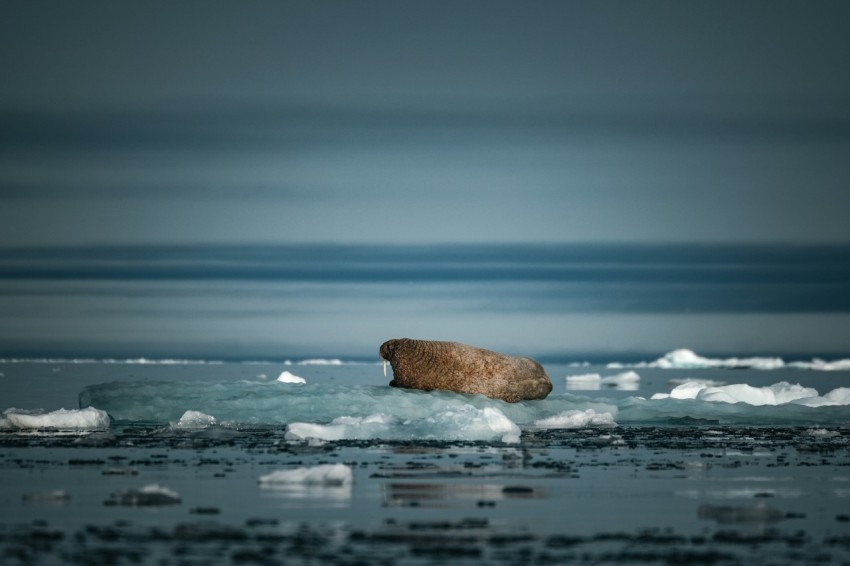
(589, 381)
(463, 422)
(325, 474)
(577, 419)
(79, 419)
(823, 365)
(286, 377)
(688, 359)
(781, 393)
(156, 489)
(193, 420)
(684, 358)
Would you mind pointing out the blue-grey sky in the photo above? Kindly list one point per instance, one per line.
(424, 121)
(162, 124)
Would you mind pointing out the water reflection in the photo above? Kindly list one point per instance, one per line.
(299, 495)
(753, 513)
(451, 494)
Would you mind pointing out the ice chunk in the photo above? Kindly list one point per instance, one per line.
(688, 359)
(193, 420)
(839, 396)
(325, 474)
(63, 419)
(345, 427)
(463, 422)
(146, 496)
(321, 362)
(823, 365)
(690, 389)
(286, 377)
(577, 419)
(777, 394)
(474, 424)
(305, 431)
(784, 392)
(591, 381)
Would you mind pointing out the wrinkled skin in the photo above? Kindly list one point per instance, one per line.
(452, 366)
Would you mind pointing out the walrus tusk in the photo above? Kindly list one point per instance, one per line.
(385, 368)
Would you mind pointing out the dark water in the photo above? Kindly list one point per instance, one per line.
(672, 481)
(559, 303)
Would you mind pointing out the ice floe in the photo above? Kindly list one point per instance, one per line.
(626, 381)
(822, 365)
(577, 419)
(781, 393)
(194, 420)
(317, 362)
(286, 377)
(684, 358)
(458, 423)
(62, 419)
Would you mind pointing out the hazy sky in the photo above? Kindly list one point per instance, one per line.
(424, 121)
(225, 124)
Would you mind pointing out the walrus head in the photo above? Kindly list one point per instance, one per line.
(387, 351)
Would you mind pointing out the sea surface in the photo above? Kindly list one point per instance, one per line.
(682, 458)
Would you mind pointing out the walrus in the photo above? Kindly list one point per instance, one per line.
(452, 366)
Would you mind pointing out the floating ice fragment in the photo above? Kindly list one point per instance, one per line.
(839, 396)
(577, 419)
(345, 427)
(590, 381)
(310, 431)
(823, 365)
(688, 359)
(781, 393)
(63, 419)
(584, 378)
(321, 362)
(286, 377)
(325, 474)
(193, 420)
(463, 422)
(146, 496)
